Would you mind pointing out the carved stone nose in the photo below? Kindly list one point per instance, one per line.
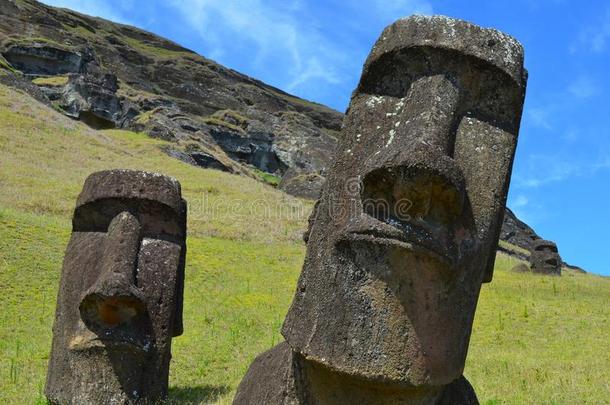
(114, 299)
(429, 113)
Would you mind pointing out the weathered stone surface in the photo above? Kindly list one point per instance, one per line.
(544, 258)
(93, 100)
(42, 59)
(407, 225)
(121, 289)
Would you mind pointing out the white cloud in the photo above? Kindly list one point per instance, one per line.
(520, 201)
(284, 36)
(523, 209)
(546, 169)
(95, 8)
(583, 87)
(275, 36)
(288, 43)
(594, 37)
(540, 117)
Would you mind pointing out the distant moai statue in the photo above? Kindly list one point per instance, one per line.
(407, 226)
(544, 258)
(120, 296)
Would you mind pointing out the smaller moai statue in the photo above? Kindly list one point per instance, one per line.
(120, 295)
(544, 258)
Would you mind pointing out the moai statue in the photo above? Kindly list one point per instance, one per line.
(544, 258)
(120, 294)
(407, 226)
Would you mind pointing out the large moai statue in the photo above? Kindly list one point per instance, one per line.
(407, 225)
(120, 294)
(544, 258)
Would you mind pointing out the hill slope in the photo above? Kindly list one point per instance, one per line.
(113, 75)
(536, 339)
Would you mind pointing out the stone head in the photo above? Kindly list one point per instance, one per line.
(544, 257)
(407, 225)
(121, 288)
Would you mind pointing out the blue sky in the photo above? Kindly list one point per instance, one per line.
(315, 49)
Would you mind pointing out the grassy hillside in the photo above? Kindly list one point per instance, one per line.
(536, 340)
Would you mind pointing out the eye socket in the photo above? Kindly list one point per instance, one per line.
(157, 220)
(486, 91)
(402, 194)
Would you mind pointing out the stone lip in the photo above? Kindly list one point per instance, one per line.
(131, 184)
(487, 44)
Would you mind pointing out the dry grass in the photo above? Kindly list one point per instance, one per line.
(46, 157)
(52, 81)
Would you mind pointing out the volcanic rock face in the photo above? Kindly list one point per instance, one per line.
(544, 258)
(167, 91)
(517, 232)
(407, 225)
(120, 294)
(38, 59)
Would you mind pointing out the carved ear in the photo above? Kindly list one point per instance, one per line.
(311, 220)
(499, 220)
(178, 325)
(489, 269)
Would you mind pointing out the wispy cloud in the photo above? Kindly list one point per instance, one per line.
(524, 209)
(274, 37)
(284, 37)
(594, 37)
(293, 44)
(545, 169)
(96, 8)
(520, 201)
(583, 87)
(540, 117)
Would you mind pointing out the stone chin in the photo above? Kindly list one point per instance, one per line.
(407, 315)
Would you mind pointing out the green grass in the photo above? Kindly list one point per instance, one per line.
(214, 120)
(236, 296)
(267, 178)
(52, 81)
(536, 339)
(540, 339)
(29, 41)
(5, 66)
(154, 51)
(513, 248)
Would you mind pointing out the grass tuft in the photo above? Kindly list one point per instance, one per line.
(51, 81)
